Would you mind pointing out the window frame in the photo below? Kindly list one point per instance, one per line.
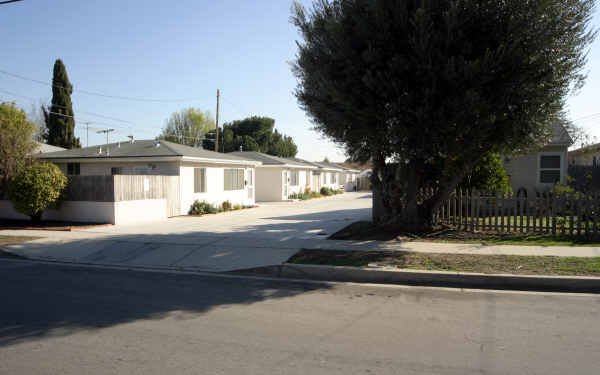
(294, 177)
(560, 169)
(71, 166)
(236, 180)
(199, 180)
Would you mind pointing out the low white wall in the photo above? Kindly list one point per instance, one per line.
(130, 212)
(7, 211)
(85, 212)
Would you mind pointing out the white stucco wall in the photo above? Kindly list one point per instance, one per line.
(85, 212)
(215, 182)
(147, 210)
(269, 184)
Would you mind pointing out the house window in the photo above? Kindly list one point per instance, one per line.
(116, 170)
(234, 179)
(294, 178)
(199, 180)
(333, 178)
(73, 169)
(550, 169)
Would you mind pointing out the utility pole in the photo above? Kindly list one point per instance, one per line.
(87, 133)
(217, 123)
(106, 131)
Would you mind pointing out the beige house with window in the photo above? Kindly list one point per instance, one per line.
(537, 172)
(278, 178)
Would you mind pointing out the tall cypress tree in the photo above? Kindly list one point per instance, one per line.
(61, 121)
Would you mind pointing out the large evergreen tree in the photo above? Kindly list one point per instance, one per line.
(425, 89)
(61, 120)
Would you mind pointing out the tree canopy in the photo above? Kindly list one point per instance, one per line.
(61, 119)
(425, 89)
(188, 126)
(16, 143)
(253, 134)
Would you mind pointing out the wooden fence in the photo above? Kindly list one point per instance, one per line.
(553, 214)
(119, 188)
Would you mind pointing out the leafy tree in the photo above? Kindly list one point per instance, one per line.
(256, 134)
(425, 89)
(60, 120)
(35, 188)
(188, 127)
(16, 142)
(488, 175)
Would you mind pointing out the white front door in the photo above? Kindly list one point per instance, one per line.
(250, 184)
(285, 184)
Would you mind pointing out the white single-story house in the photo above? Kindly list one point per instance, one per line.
(348, 178)
(537, 172)
(147, 180)
(329, 175)
(278, 178)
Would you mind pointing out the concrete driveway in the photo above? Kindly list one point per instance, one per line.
(261, 236)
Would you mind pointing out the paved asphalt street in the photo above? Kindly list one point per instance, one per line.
(57, 319)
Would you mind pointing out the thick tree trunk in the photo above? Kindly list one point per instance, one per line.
(399, 203)
(37, 217)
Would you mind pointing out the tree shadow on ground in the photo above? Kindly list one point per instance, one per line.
(42, 300)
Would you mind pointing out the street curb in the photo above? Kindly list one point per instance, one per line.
(570, 284)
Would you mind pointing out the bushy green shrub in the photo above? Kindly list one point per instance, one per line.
(314, 194)
(338, 191)
(326, 191)
(237, 206)
(201, 208)
(226, 206)
(307, 191)
(36, 188)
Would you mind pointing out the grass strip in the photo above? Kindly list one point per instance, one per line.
(488, 264)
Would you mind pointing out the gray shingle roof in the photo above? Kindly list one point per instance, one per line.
(320, 165)
(41, 148)
(269, 159)
(139, 149)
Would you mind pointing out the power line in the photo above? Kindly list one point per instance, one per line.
(60, 106)
(96, 93)
(9, 1)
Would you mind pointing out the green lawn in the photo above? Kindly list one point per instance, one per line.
(490, 264)
(519, 239)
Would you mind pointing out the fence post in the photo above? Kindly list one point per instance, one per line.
(586, 210)
(502, 211)
(535, 215)
(460, 208)
(527, 213)
(553, 203)
(496, 200)
(472, 210)
(547, 208)
(571, 202)
(578, 217)
(595, 214)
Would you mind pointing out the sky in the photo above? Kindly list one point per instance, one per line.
(178, 53)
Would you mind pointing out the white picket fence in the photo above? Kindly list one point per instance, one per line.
(573, 215)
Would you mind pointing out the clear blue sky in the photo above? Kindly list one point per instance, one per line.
(183, 49)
